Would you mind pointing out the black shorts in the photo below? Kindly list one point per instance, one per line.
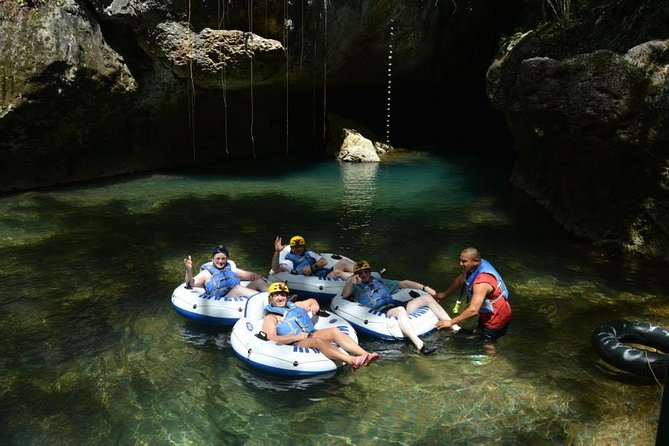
(395, 304)
(489, 334)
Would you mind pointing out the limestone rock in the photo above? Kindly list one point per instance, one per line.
(590, 120)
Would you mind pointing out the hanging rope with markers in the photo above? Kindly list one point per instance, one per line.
(390, 78)
(249, 36)
(325, 67)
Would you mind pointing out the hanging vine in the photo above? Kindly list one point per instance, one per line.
(224, 81)
(301, 35)
(191, 93)
(287, 24)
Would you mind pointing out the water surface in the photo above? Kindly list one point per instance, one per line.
(93, 353)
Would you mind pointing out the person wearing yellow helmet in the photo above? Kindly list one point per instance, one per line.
(301, 261)
(221, 276)
(377, 294)
(286, 322)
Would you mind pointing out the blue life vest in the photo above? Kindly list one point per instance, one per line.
(221, 280)
(209, 266)
(486, 267)
(299, 262)
(295, 319)
(376, 294)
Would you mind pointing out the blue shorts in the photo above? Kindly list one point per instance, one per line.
(322, 272)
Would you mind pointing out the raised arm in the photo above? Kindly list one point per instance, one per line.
(200, 279)
(278, 247)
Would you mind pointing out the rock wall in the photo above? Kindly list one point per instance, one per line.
(91, 88)
(588, 107)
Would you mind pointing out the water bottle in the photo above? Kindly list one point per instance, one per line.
(456, 307)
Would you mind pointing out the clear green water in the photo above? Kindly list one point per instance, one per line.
(93, 353)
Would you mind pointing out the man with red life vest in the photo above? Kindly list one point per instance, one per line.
(487, 295)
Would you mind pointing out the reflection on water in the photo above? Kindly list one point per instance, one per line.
(93, 353)
(357, 202)
(263, 381)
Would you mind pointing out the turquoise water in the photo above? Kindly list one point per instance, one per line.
(93, 353)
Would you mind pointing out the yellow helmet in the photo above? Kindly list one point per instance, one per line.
(298, 240)
(360, 265)
(276, 287)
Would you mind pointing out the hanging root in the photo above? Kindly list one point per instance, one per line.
(286, 25)
(191, 92)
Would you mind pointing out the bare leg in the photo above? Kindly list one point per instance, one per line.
(342, 269)
(258, 285)
(240, 290)
(335, 335)
(428, 301)
(405, 325)
(489, 348)
(327, 348)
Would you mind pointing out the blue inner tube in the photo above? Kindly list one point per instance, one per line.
(609, 338)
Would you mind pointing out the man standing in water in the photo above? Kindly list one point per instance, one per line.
(487, 295)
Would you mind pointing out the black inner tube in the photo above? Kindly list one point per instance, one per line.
(609, 340)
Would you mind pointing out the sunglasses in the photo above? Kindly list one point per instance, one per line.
(362, 272)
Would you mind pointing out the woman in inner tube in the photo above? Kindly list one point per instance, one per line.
(222, 278)
(290, 323)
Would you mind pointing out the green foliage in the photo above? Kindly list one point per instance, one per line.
(505, 40)
(562, 9)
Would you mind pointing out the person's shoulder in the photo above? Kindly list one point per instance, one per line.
(486, 278)
(233, 264)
